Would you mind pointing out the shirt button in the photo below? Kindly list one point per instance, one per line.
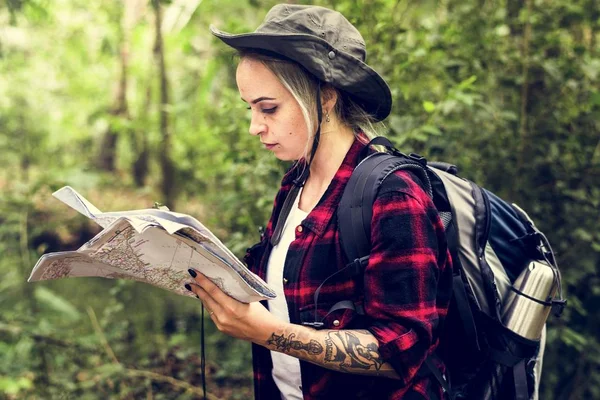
(299, 228)
(336, 323)
(285, 281)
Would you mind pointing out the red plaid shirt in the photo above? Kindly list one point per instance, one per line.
(405, 289)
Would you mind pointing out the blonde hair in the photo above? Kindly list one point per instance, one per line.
(304, 86)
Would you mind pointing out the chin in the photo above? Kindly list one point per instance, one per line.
(285, 157)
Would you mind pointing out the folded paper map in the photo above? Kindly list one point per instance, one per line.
(151, 246)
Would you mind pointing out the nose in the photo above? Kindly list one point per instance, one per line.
(256, 126)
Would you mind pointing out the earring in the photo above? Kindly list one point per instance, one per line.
(327, 117)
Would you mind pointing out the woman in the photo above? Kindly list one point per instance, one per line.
(313, 99)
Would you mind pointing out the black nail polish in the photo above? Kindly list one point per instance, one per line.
(192, 273)
(188, 287)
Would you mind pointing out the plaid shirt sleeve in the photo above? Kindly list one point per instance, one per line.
(409, 260)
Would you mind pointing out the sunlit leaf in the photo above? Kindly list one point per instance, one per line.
(57, 303)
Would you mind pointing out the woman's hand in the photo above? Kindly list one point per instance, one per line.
(251, 322)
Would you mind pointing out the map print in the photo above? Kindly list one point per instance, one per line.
(157, 248)
(60, 268)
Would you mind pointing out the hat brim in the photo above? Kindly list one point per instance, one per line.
(343, 70)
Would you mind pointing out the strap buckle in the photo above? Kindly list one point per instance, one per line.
(418, 158)
(357, 266)
(315, 324)
(558, 306)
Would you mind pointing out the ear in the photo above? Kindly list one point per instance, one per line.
(329, 97)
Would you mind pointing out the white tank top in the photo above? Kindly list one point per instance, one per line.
(286, 369)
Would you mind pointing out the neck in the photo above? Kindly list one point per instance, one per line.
(333, 146)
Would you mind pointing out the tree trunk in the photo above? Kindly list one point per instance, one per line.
(108, 148)
(168, 170)
(140, 145)
(134, 10)
(523, 136)
(513, 8)
(594, 19)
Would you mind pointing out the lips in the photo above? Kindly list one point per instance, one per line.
(269, 146)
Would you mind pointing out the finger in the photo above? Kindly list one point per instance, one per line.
(213, 290)
(200, 278)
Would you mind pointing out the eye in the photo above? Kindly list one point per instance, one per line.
(269, 110)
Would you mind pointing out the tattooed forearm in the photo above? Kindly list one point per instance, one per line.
(284, 344)
(352, 351)
(346, 350)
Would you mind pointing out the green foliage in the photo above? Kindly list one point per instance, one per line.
(507, 90)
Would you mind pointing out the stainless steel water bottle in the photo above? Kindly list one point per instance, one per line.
(528, 304)
(525, 310)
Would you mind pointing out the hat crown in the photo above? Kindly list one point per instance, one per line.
(328, 25)
(326, 44)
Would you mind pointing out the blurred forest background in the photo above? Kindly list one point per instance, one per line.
(132, 102)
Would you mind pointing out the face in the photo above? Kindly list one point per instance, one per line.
(277, 118)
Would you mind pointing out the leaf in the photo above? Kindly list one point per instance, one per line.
(429, 106)
(502, 30)
(574, 339)
(509, 115)
(12, 387)
(584, 235)
(107, 370)
(449, 106)
(401, 124)
(464, 98)
(591, 69)
(431, 129)
(467, 83)
(57, 303)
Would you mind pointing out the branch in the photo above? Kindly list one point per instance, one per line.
(140, 373)
(18, 331)
(24, 239)
(170, 380)
(103, 340)
(168, 182)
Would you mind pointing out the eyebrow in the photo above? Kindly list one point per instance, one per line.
(258, 100)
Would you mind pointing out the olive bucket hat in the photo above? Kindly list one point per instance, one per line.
(325, 43)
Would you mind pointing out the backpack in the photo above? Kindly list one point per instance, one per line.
(492, 243)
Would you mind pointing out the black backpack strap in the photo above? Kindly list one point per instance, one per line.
(354, 219)
(508, 362)
(355, 210)
(430, 367)
(520, 379)
(444, 166)
(459, 291)
(376, 141)
(283, 214)
(464, 310)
